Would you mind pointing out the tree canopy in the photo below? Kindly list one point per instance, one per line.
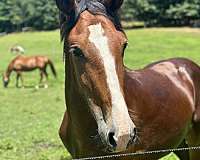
(17, 14)
(43, 14)
(163, 12)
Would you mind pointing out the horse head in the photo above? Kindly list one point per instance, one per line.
(94, 45)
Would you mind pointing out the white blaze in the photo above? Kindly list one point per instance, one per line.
(120, 114)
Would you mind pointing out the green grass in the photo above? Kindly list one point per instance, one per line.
(150, 45)
(30, 118)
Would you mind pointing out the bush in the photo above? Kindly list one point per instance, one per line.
(17, 14)
(165, 13)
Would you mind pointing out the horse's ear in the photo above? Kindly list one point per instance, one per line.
(113, 5)
(65, 6)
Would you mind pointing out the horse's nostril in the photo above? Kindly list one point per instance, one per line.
(111, 139)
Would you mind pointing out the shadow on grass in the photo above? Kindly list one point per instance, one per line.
(27, 87)
(20, 87)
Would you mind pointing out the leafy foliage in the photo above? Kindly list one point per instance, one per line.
(17, 14)
(43, 14)
(171, 12)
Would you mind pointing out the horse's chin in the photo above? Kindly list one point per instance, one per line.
(107, 149)
(103, 146)
(112, 151)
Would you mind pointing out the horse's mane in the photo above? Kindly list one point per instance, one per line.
(96, 7)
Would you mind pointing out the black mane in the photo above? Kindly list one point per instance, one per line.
(67, 22)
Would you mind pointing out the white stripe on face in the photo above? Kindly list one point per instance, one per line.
(120, 114)
(169, 69)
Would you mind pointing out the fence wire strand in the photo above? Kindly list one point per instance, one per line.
(141, 153)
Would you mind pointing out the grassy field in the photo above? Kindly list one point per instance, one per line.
(30, 118)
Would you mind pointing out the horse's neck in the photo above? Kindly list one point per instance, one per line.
(9, 70)
(131, 87)
(130, 78)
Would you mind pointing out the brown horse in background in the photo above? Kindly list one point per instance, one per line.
(111, 109)
(25, 64)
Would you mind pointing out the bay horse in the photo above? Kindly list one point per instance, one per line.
(112, 109)
(26, 64)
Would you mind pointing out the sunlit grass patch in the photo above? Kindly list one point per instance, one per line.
(171, 156)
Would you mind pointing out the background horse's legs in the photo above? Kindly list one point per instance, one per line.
(194, 141)
(42, 74)
(19, 76)
(46, 76)
(41, 79)
(22, 80)
(17, 80)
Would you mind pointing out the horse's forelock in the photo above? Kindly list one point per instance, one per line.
(113, 5)
(68, 19)
(65, 6)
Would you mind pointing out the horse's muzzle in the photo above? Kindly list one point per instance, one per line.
(118, 143)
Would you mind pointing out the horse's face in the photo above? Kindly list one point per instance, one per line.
(95, 49)
(5, 80)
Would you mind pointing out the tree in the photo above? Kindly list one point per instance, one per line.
(46, 16)
(185, 12)
(161, 12)
(16, 14)
(5, 7)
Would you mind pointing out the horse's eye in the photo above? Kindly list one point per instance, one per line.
(76, 52)
(124, 47)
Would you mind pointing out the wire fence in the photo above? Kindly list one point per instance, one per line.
(142, 153)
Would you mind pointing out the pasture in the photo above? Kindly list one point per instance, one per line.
(30, 118)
